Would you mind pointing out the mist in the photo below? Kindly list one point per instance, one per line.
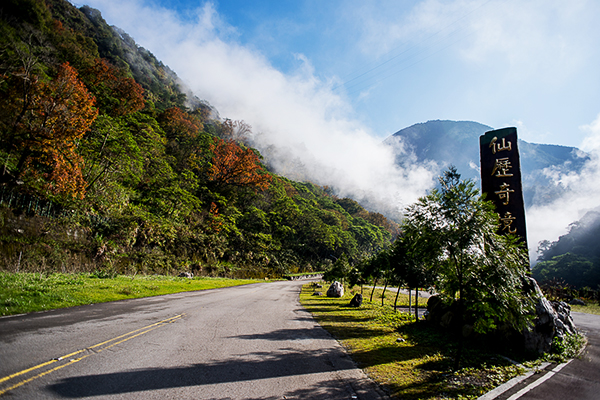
(581, 194)
(305, 130)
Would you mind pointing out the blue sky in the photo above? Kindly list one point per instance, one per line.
(326, 81)
(530, 64)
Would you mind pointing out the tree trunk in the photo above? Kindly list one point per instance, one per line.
(460, 336)
(383, 293)
(417, 305)
(373, 291)
(396, 300)
(409, 301)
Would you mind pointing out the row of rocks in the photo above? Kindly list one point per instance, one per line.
(336, 289)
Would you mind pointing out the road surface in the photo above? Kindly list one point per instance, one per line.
(247, 342)
(578, 379)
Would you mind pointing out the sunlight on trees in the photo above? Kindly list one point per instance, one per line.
(454, 232)
(43, 136)
(234, 165)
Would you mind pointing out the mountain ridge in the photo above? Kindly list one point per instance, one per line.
(447, 142)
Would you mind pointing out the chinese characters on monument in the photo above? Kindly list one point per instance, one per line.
(501, 179)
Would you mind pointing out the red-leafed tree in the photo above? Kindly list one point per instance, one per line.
(237, 166)
(49, 120)
(179, 124)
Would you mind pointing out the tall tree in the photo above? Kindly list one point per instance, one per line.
(479, 270)
(43, 134)
(117, 93)
(409, 261)
(237, 166)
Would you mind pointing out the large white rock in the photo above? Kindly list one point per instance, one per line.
(335, 290)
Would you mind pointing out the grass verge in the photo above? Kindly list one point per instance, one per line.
(411, 360)
(27, 292)
(590, 308)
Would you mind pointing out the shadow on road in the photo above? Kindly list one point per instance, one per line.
(259, 366)
(286, 335)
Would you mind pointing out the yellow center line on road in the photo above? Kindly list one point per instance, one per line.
(126, 336)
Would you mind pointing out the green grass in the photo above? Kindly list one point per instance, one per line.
(419, 365)
(590, 308)
(27, 292)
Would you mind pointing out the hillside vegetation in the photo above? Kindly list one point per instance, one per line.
(107, 165)
(574, 258)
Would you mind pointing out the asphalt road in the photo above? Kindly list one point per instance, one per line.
(578, 379)
(247, 342)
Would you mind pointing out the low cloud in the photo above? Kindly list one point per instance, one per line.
(581, 193)
(298, 119)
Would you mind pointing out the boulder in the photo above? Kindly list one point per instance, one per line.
(317, 294)
(335, 290)
(186, 275)
(553, 319)
(577, 302)
(356, 300)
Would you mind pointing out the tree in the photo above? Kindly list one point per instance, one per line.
(237, 166)
(113, 162)
(42, 136)
(339, 270)
(235, 130)
(375, 268)
(117, 94)
(408, 260)
(179, 125)
(479, 270)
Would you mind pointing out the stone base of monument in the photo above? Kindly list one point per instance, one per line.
(553, 320)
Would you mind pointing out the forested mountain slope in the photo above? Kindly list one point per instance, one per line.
(107, 164)
(575, 257)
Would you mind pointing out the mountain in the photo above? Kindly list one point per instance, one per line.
(456, 143)
(110, 165)
(574, 257)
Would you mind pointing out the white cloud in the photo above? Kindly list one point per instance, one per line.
(582, 194)
(295, 111)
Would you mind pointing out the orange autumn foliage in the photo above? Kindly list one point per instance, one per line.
(178, 123)
(215, 224)
(234, 165)
(62, 112)
(129, 95)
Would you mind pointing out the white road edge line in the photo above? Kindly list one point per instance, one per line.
(535, 384)
(492, 394)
